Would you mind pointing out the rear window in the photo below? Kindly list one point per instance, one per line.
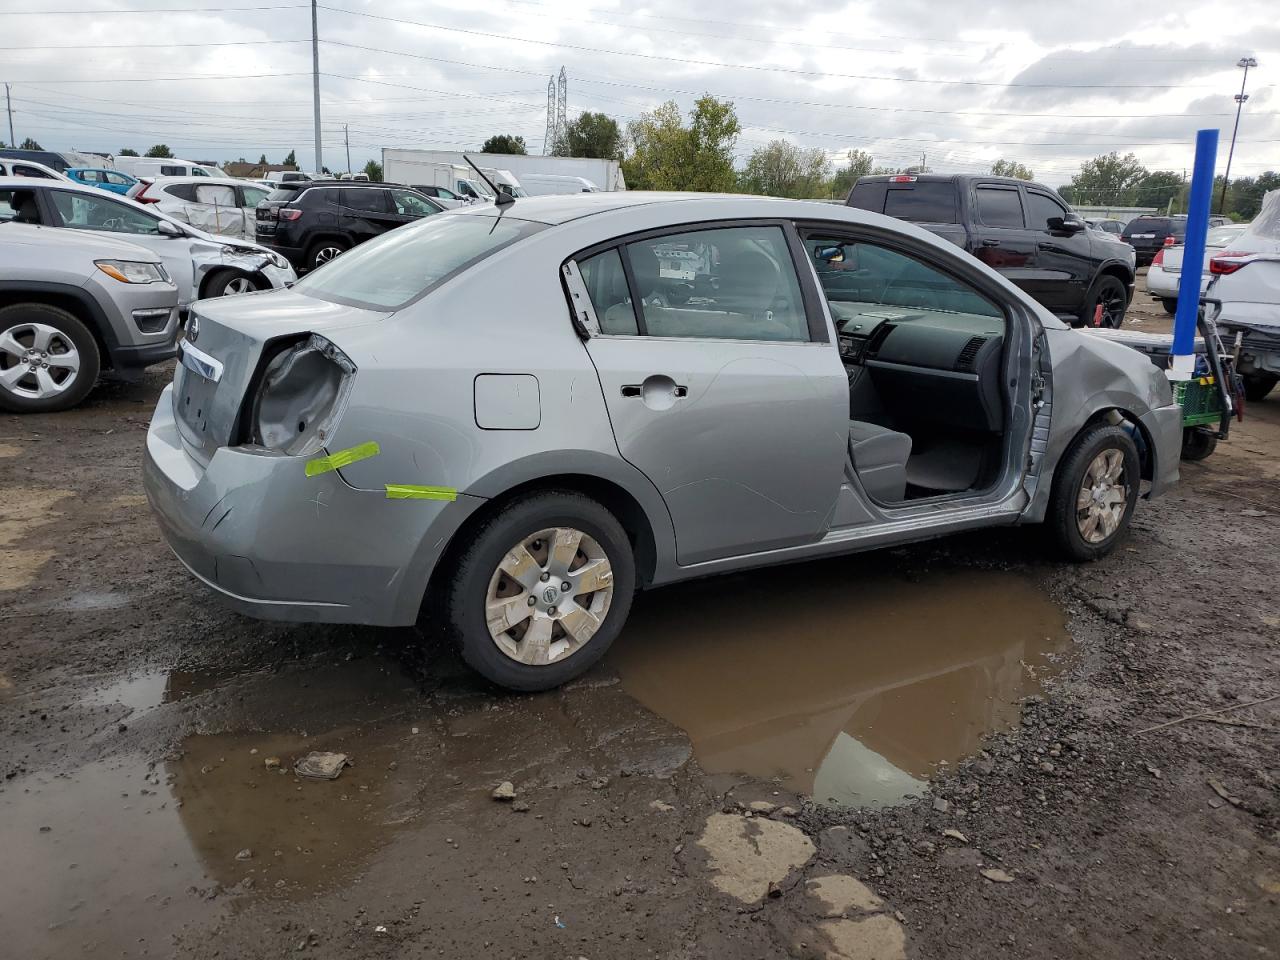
(1161, 225)
(927, 202)
(283, 194)
(391, 271)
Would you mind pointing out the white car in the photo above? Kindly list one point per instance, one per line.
(1246, 279)
(1165, 272)
(10, 167)
(201, 264)
(222, 207)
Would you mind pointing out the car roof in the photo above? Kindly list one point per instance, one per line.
(165, 181)
(561, 208)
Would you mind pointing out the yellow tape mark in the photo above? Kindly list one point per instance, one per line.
(408, 491)
(342, 458)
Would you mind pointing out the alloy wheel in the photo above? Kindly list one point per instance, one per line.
(238, 285)
(1113, 307)
(549, 596)
(1103, 497)
(325, 254)
(37, 361)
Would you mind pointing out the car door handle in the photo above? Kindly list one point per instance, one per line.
(990, 243)
(1046, 246)
(656, 383)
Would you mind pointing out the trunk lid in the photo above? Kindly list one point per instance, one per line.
(221, 352)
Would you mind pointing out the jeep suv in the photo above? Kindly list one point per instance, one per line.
(311, 222)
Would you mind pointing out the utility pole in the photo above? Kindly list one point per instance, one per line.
(13, 144)
(1241, 97)
(347, 140)
(315, 81)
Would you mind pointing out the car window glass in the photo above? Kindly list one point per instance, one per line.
(85, 212)
(118, 179)
(286, 194)
(999, 207)
(15, 202)
(216, 193)
(868, 284)
(606, 284)
(199, 172)
(89, 176)
(925, 202)
(411, 205)
(391, 270)
(167, 170)
(1041, 207)
(370, 201)
(253, 196)
(735, 283)
(24, 170)
(183, 191)
(446, 194)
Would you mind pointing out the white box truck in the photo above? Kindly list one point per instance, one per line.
(398, 166)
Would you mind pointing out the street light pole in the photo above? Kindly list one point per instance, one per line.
(315, 81)
(347, 140)
(1241, 97)
(13, 144)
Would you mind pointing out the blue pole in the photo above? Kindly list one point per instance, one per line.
(1184, 320)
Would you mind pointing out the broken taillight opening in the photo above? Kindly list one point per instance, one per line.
(1229, 262)
(289, 214)
(902, 179)
(301, 396)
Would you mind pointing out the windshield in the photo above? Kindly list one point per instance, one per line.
(393, 270)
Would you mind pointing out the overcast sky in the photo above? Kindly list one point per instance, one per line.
(1049, 84)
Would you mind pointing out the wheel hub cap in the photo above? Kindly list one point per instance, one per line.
(1103, 497)
(549, 596)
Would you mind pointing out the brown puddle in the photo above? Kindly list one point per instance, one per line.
(842, 683)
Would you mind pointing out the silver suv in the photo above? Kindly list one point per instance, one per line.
(513, 416)
(73, 304)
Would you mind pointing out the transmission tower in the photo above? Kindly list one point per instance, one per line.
(562, 107)
(549, 139)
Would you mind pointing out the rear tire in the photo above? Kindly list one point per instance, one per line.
(1095, 489)
(1170, 305)
(575, 637)
(322, 251)
(55, 385)
(1197, 443)
(1258, 385)
(1110, 292)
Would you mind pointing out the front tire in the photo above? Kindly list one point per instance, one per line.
(230, 283)
(1258, 385)
(1109, 293)
(49, 360)
(1095, 490)
(541, 591)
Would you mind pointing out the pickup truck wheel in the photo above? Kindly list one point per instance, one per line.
(541, 591)
(1095, 489)
(1258, 385)
(48, 359)
(1170, 305)
(1197, 443)
(1109, 293)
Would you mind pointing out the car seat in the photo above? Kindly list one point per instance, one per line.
(879, 457)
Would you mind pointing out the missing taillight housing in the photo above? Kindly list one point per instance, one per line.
(300, 397)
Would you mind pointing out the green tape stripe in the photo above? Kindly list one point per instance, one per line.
(342, 458)
(408, 491)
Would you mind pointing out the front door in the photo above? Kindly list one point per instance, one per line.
(366, 213)
(721, 386)
(1064, 259)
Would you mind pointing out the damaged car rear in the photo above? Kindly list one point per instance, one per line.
(508, 419)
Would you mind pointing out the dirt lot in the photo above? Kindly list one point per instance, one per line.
(148, 805)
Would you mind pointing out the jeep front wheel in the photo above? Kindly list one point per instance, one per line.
(48, 359)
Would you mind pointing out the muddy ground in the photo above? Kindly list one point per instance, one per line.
(979, 714)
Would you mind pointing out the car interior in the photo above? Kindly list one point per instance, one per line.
(924, 354)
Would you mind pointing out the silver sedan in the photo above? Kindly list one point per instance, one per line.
(509, 419)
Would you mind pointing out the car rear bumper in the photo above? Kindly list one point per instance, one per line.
(278, 545)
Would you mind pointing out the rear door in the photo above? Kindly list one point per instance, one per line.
(217, 210)
(721, 383)
(366, 212)
(1064, 260)
(1000, 237)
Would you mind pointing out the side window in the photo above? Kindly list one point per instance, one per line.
(1041, 207)
(22, 170)
(90, 176)
(216, 193)
(198, 172)
(85, 212)
(1000, 207)
(370, 201)
(117, 179)
(253, 196)
(732, 283)
(606, 284)
(411, 205)
(19, 205)
(183, 191)
(167, 170)
(866, 284)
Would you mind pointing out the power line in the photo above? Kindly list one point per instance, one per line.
(148, 10)
(130, 46)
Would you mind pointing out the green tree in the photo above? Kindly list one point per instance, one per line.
(29, 144)
(291, 160)
(373, 169)
(127, 152)
(665, 154)
(161, 151)
(783, 169)
(262, 160)
(592, 135)
(504, 143)
(1012, 168)
(1107, 180)
(1157, 188)
(858, 164)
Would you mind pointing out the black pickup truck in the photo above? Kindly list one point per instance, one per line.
(1022, 229)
